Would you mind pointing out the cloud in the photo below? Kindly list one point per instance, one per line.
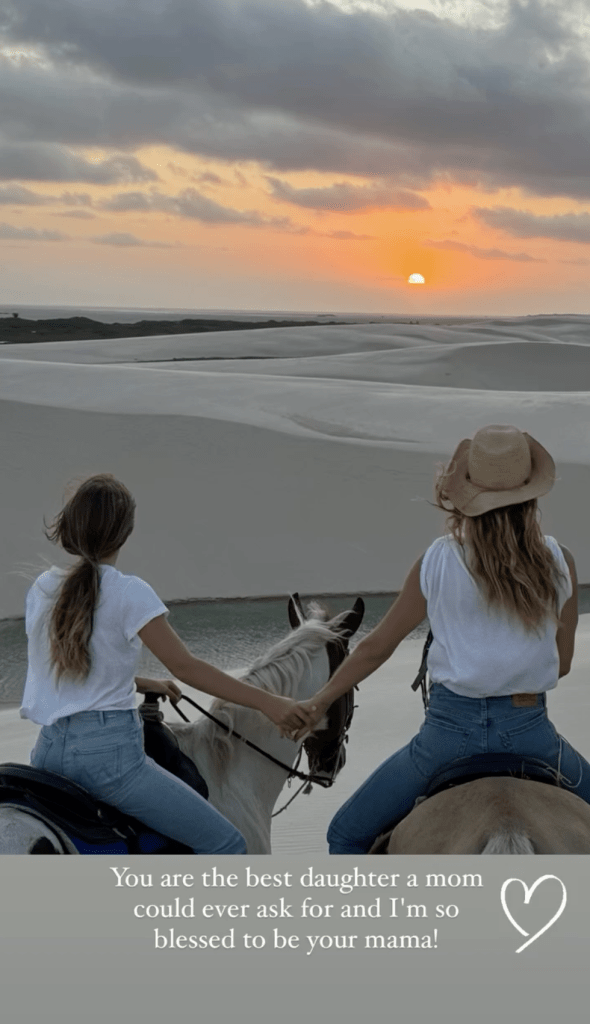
(17, 195)
(124, 239)
(189, 203)
(48, 162)
(348, 236)
(484, 254)
(564, 227)
(343, 197)
(209, 178)
(498, 99)
(79, 214)
(125, 202)
(75, 199)
(193, 205)
(8, 232)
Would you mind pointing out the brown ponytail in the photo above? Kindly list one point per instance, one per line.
(93, 524)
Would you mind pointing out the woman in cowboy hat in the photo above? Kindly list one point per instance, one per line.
(502, 603)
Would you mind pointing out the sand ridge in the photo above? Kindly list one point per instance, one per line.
(525, 365)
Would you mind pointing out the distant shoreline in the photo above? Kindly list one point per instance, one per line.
(390, 595)
(16, 330)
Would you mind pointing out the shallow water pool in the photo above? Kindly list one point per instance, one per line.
(228, 634)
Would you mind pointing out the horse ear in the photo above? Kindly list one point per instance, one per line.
(353, 619)
(292, 608)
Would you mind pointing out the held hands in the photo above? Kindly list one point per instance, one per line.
(315, 709)
(164, 687)
(297, 719)
(288, 716)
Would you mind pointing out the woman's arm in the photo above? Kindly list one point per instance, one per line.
(407, 612)
(566, 632)
(159, 637)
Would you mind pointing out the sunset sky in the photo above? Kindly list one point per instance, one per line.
(296, 155)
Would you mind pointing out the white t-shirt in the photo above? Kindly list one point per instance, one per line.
(479, 651)
(125, 605)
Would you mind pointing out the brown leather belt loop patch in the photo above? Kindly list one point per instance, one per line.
(524, 700)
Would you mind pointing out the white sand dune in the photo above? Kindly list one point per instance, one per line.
(526, 366)
(297, 342)
(268, 460)
(263, 343)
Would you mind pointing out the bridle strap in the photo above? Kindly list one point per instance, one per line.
(320, 780)
(420, 679)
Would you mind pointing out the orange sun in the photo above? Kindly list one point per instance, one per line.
(416, 279)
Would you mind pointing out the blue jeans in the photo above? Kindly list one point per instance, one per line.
(103, 752)
(453, 727)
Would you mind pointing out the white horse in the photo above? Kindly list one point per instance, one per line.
(243, 784)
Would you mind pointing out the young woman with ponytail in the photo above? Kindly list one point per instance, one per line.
(502, 603)
(85, 627)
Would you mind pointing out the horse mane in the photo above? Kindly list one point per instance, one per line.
(276, 671)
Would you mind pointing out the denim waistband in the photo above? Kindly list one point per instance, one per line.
(441, 694)
(123, 717)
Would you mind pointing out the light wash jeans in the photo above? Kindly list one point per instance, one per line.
(103, 752)
(453, 727)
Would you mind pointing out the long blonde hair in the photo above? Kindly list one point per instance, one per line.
(93, 524)
(509, 558)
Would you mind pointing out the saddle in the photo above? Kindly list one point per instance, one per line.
(91, 825)
(480, 766)
(161, 744)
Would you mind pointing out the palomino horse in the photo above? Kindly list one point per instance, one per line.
(243, 784)
(493, 815)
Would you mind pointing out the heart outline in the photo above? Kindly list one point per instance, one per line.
(527, 897)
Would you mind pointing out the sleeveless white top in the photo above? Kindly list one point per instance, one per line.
(479, 651)
(125, 605)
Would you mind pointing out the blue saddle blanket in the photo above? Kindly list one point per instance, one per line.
(92, 826)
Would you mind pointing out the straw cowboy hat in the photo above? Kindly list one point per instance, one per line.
(500, 466)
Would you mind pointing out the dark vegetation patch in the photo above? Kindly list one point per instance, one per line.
(15, 331)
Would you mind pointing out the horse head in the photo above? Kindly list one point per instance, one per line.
(325, 748)
(297, 667)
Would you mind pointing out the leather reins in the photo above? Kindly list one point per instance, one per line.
(320, 780)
